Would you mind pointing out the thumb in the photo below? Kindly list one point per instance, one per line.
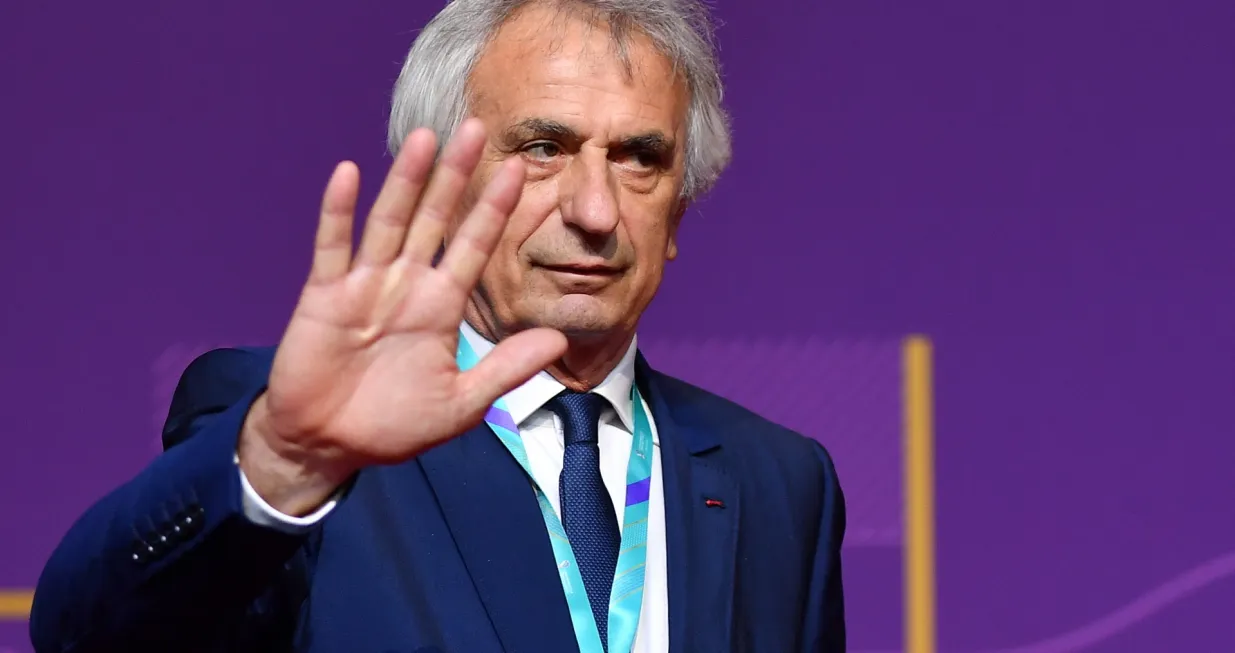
(515, 360)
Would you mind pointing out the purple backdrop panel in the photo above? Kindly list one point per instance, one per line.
(1044, 187)
(14, 638)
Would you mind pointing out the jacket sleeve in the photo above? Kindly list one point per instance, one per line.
(824, 630)
(168, 561)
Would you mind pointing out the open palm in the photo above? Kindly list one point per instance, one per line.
(366, 370)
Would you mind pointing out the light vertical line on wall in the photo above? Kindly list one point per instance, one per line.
(15, 604)
(919, 547)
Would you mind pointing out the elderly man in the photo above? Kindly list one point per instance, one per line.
(456, 445)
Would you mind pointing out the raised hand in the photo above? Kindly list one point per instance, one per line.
(365, 373)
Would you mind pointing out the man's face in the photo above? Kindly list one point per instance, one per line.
(585, 248)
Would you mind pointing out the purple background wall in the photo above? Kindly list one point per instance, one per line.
(1044, 188)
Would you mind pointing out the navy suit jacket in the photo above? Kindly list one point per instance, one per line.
(444, 553)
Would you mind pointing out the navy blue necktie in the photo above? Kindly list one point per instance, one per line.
(587, 511)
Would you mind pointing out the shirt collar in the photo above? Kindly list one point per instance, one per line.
(538, 390)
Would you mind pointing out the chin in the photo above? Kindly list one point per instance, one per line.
(579, 316)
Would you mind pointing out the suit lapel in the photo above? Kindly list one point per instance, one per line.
(491, 511)
(701, 522)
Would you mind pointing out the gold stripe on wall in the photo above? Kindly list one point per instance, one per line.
(15, 604)
(919, 546)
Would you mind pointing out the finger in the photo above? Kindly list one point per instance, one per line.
(474, 242)
(441, 199)
(386, 226)
(515, 360)
(332, 247)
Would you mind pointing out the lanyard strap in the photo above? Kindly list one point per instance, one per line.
(626, 598)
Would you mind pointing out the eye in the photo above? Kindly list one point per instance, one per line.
(646, 159)
(643, 159)
(542, 150)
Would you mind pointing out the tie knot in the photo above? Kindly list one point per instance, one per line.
(580, 415)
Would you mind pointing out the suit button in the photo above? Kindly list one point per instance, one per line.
(143, 553)
(188, 525)
(169, 534)
(157, 545)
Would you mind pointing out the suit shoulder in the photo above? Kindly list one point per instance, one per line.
(775, 459)
(213, 382)
(221, 372)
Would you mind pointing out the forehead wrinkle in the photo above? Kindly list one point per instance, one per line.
(619, 125)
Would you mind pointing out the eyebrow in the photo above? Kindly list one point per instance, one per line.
(529, 129)
(535, 128)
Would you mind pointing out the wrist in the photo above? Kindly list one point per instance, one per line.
(288, 478)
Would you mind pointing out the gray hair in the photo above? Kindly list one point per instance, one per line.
(432, 88)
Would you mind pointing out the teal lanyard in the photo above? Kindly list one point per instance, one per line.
(626, 599)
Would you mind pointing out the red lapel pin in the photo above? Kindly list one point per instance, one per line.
(714, 503)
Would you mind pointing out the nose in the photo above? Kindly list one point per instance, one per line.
(589, 199)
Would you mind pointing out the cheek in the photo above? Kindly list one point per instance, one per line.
(651, 251)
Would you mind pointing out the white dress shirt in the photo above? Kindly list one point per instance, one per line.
(541, 431)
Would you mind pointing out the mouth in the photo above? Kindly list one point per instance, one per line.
(583, 270)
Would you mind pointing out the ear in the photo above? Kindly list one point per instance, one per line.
(675, 220)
